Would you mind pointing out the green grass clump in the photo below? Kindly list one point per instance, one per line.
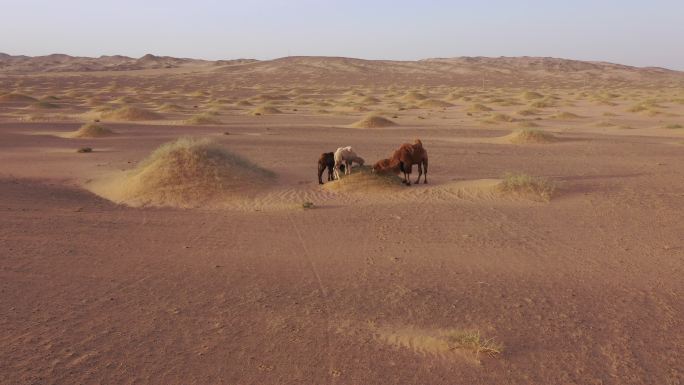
(674, 126)
(536, 187)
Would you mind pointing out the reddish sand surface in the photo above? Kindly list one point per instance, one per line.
(370, 286)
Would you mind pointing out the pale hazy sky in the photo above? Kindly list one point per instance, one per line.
(642, 33)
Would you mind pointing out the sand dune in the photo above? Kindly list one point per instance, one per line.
(164, 261)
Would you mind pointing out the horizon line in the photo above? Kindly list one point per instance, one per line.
(340, 57)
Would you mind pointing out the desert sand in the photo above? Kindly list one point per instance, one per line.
(193, 245)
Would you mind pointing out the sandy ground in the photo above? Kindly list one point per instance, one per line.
(583, 289)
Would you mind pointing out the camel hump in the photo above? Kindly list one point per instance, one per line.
(418, 143)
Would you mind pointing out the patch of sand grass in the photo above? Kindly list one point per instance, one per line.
(187, 172)
(91, 130)
(526, 185)
(564, 115)
(363, 179)
(130, 113)
(477, 107)
(373, 121)
(434, 103)
(531, 95)
(203, 119)
(450, 343)
(17, 98)
(265, 110)
(530, 135)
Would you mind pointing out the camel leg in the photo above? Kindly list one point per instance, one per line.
(320, 174)
(420, 172)
(425, 166)
(347, 168)
(407, 174)
(336, 171)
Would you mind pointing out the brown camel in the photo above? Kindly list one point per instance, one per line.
(385, 166)
(404, 158)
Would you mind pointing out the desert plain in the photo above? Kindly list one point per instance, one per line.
(162, 222)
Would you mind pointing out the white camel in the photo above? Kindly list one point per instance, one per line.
(346, 156)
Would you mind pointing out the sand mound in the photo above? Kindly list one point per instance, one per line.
(203, 119)
(477, 107)
(531, 95)
(373, 121)
(91, 130)
(434, 103)
(130, 113)
(16, 98)
(362, 179)
(565, 116)
(413, 96)
(502, 118)
(530, 136)
(44, 105)
(265, 110)
(370, 100)
(186, 173)
(244, 103)
(169, 107)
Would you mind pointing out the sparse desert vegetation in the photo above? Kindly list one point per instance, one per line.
(524, 184)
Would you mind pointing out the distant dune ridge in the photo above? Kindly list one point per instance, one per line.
(339, 70)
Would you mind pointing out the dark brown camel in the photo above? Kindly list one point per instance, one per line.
(404, 158)
(327, 160)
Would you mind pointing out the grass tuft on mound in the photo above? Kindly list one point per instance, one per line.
(203, 119)
(472, 341)
(373, 121)
(13, 97)
(44, 105)
(130, 113)
(523, 184)
(414, 96)
(530, 135)
(477, 107)
(531, 95)
(363, 179)
(187, 172)
(434, 103)
(565, 116)
(91, 130)
(265, 110)
(170, 107)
